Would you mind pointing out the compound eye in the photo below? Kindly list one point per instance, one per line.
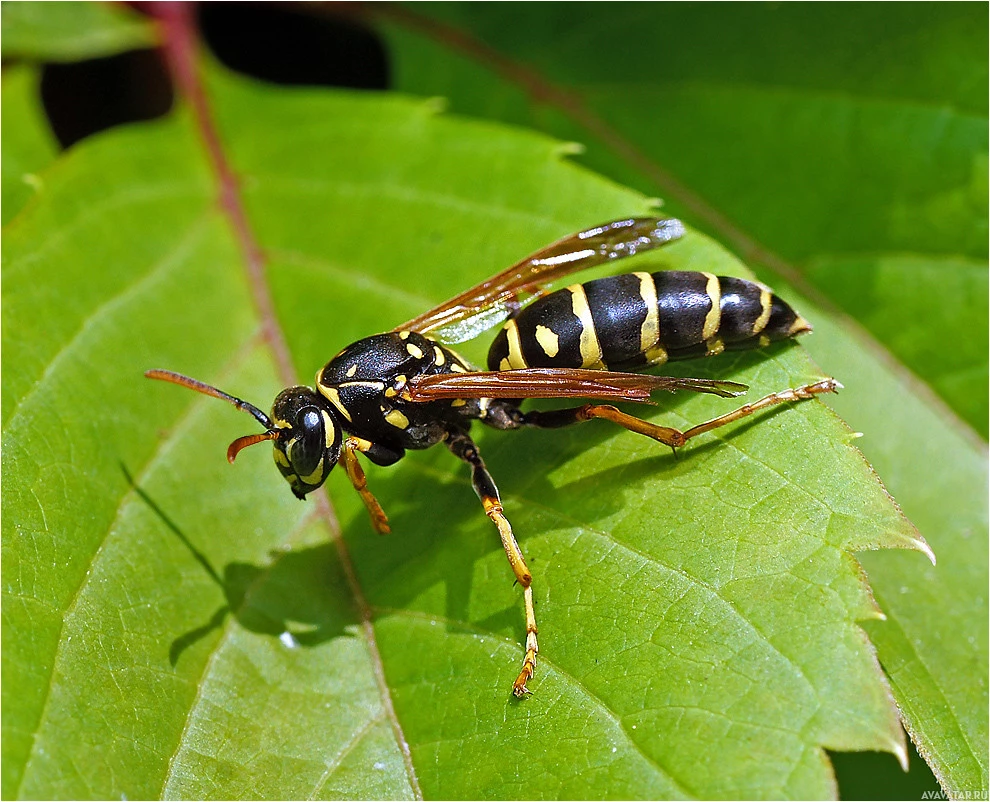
(305, 449)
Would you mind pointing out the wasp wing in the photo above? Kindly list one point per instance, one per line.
(602, 385)
(489, 303)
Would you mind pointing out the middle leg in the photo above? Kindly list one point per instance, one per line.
(463, 447)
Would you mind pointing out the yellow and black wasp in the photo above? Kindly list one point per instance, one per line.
(407, 389)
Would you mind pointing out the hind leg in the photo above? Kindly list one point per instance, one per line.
(675, 438)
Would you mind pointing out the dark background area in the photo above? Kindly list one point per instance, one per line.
(280, 43)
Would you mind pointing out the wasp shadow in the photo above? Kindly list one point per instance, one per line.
(291, 595)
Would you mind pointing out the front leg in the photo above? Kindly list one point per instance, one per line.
(463, 447)
(379, 520)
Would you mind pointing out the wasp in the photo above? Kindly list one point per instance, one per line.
(407, 389)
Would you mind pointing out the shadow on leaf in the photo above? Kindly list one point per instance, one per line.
(282, 599)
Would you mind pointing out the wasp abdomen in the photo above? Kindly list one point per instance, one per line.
(642, 319)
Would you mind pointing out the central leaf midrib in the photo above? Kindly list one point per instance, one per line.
(184, 61)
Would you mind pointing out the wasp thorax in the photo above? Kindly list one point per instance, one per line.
(309, 438)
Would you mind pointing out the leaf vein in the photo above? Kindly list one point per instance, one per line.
(149, 465)
(181, 250)
(334, 763)
(712, 590)
(594, 698)
(228, 627)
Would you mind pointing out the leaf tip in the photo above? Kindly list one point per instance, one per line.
(901, 753)
(894, 742)
(922, 545)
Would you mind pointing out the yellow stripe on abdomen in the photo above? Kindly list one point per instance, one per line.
(649, 334)
(591, 349)
(515, 360)
(714, 317)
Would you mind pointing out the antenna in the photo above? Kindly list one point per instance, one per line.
(206, 389)
(200, 387)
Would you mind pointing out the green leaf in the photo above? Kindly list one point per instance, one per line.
(65, 31)
(28, 144)
(843, 148)
(175, 627)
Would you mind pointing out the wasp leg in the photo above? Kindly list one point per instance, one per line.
(379, 520)
(668, 436)
(464, 448)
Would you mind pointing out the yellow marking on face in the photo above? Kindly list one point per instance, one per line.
(290, 446)
(799, 326)
(458, 402)
(548, 340)
(438, 357)
(591, 349)
(414, 350)
(766, 305)
(714, 316)
(316, 476)
(397, 419)
(515, 360)
(649, 334)
(329, 430)
(282, 424)
(280, 458)
(333, 396)
(715, 346)
(351, 370)
(656, 355)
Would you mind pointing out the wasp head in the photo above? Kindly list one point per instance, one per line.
(306, 435)
(308, 438)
